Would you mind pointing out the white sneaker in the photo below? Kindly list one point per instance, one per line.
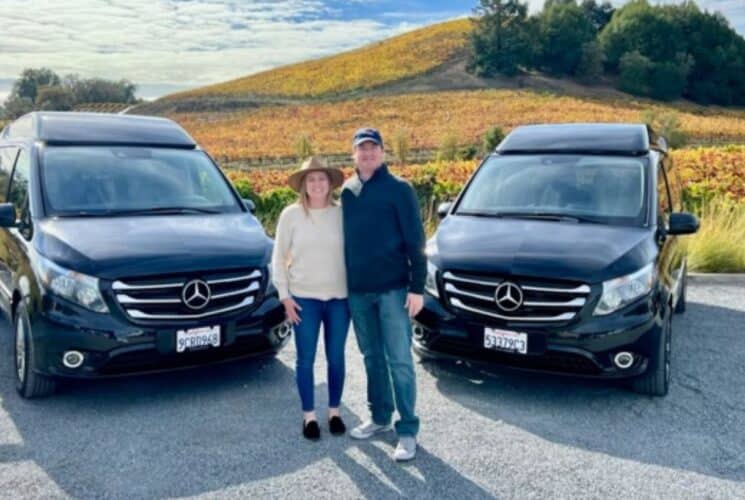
(405, 450)
(368, 429)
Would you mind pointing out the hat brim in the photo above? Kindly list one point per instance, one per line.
(335, 175)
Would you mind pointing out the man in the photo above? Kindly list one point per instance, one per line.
(386, 269)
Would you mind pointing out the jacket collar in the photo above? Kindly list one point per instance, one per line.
(355, 183)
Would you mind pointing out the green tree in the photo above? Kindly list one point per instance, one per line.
(563, 30)
(668, 80)
(590, 67)
(100, 90)
(499, 41)
(634, 73)
(27, 85)
(599, 14)
(54, 98)
(638, 26)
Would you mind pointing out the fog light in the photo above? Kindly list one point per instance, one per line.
(623, 360)
(418, 331)
(283, 331)
(73, 359)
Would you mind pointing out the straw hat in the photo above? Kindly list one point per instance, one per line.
(313, 164)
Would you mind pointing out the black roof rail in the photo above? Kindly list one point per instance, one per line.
(75, 128)
(587, 138)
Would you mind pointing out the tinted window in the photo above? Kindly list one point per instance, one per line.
(7, 159)
(663, 193)
(101, 180)
(674, 184)
(19, 186)
(604, 188)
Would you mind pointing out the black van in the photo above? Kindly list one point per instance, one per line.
(124, 249)
(561, 254)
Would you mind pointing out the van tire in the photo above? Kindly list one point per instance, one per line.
(29, 384)
(656, 380)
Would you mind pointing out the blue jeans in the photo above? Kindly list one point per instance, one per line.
(383, 329)
(334, 315)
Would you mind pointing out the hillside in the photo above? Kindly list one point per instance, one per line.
(401, 57)
(426, 118)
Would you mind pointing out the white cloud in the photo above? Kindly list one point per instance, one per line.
(181, 42)
(195, 42)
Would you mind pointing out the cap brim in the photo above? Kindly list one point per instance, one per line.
(366, 139)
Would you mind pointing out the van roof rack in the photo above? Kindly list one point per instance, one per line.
(84, 129)
(587, 138)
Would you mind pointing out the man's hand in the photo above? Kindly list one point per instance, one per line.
(414, 303)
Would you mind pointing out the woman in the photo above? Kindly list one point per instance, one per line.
(308, 271)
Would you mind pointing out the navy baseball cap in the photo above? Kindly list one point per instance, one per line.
(367, 134)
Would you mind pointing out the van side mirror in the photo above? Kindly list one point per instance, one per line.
(250, 205)
(7, 215)
(443, 209)
(682, 223)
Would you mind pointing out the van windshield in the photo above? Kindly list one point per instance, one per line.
(603, 189)
(89, 181)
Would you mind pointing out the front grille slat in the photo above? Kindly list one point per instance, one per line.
(543, 301)
(160, 298)
(137, 314)
(560, 317)
(254, 275)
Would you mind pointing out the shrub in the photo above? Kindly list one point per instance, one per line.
(634, 73)
(492, 138)
(666, 124)
(401, 145)
(304, 146)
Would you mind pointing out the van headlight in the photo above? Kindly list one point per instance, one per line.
(71, 285)
(430, 283)
(620, 292)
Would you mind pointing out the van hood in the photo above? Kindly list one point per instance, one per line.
(118, 247)
(564, 250)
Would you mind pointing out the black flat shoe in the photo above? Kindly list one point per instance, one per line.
(311, 430)
(336, 426)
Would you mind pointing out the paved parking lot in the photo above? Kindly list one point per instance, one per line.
(234, 430)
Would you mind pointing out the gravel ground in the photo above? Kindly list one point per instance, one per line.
(234, 430)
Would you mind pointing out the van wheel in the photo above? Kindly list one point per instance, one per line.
(656, 380)
(680, 306)
(29, 384)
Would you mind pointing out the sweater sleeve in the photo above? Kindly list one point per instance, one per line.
(410, 220)
(280, 255)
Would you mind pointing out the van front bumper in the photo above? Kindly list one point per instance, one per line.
(584, 347)
(112, 346)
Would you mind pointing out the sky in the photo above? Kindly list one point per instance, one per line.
(168, 45)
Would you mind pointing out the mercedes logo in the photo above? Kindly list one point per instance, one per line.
(508, 296)
(196, 294)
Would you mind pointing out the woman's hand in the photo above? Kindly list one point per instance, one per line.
(291, 310)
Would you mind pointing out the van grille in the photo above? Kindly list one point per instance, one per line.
(490, 297)
(188, 297)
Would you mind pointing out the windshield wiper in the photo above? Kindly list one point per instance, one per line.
(140, 211)
(165, 211)
(555, 216)
(531, 215)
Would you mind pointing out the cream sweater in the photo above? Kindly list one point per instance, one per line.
(308, 257)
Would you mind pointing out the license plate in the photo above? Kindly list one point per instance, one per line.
(195, 338)
(506, 340)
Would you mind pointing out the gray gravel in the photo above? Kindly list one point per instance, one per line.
(234, 430)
